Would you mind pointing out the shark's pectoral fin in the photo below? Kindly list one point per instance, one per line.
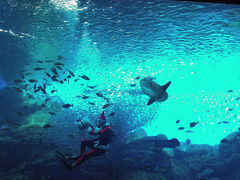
(165, 86)
(151, 100)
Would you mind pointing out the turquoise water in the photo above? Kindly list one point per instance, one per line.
(194, 45)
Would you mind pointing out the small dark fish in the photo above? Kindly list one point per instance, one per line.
(112, 114)
(188, 141)
(230, 109)
(23, 71)
(52, 113)
(237, 98)
(28, 74)
(32, 80)
(53, 91)
(54, 71)
(26, 85)
(58, 64)
(224, 122)
(239, 129)
(67, 105)
(106, 106)
(61, 82)
(69, 76)
(40, 61)
(47, 126)
(230, 90)
(188, 131)
(58, 67)
(85, 97)
(49, 61)
(192, 124)
(177, 121)
(71, 73)
(48, 74)
(20, 114)
(92, 103)
(18, 89)
(47, 99)
(18, 81)
(84, 77)
(180, 128)
(92, 87)
(132, 85)
(54, 76)
(224, 141)
(99, 94)
(38, 69)
(43, 105)
(35, 86)
(138, 77)
(65, 79)
(75, 80)
(60, 57)
(22, 76)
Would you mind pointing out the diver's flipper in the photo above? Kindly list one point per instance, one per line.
(165, 86)
(151, 100)
(63, 159)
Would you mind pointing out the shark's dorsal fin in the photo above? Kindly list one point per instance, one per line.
(165, 86)
(151, 100)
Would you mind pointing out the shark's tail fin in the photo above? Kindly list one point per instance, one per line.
(165, 86)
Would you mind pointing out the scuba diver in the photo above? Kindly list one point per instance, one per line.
(98, 146)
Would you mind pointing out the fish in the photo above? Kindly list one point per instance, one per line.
(18, 81)
(85, 97)
(112, 114)
(92, 103)
(60, 57)
(47, 126)
(48, 61)
(61, 82)
(58, 64)
(54, 71)
(75, 80)
(58, 67)
(154, 90)
(84, 77)
(22, 76)
(106, 106)
(192, 124)
(32, 80)
(23, 71)
(224, 140)
(237, 98)
(34, 87)
(67, 105)
(52, 113)
(53, 91)
(20, 114)
(69, 76)
(48, 74)
(230, 90)
(38, 69)
(177, 121)
(224, 122)
(40, 61)
(188, 131)
(138, 77)
(71, 73)
(180, 128)
(188, 141)
(18, 89)
(132, 85)
(47, 99)
(230, 109)
(99, 94)
(28, 74)
(92, 87)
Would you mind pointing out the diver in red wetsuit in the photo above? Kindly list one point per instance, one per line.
(98, 146)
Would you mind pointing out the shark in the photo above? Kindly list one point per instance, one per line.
(155, 91)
